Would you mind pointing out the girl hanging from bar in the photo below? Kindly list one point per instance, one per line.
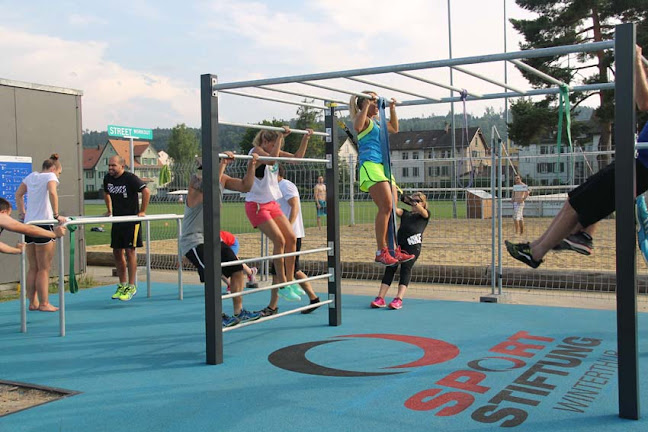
(364, 112)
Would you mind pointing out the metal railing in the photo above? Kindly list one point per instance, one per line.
(61, 253)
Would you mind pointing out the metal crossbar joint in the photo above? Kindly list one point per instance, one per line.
(329, 158)
(331, 270)
(328, 134)
(331, 246)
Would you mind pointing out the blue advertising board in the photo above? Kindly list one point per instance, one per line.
(13, 169)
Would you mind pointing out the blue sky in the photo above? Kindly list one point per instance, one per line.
(139, 62)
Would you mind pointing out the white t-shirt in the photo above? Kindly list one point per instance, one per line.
(265, 189)
(38, 203)
(289, 190)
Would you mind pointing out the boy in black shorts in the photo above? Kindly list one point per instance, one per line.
(588, 203)
(121, 194)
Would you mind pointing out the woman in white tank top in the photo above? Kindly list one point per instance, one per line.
(260, 203)
(40, 188)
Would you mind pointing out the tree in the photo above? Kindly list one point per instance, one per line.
(567, 22)
(183, 144)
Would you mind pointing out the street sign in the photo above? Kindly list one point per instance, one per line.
(130, 132)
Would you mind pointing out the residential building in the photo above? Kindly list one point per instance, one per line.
(95, 163)
(424, 158)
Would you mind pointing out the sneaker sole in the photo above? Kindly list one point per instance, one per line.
(375, 306)
(129, 299)
(385, 264)
(394, 308)
(405, 260)
(577, 247)
(249, 319)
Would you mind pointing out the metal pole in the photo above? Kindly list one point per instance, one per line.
(493, 210)
(452, 123)
(487, 79)
(61, 253)
(211, 219)
(132, 155)
(499, 220)
(268, 127)
(23, 288)
(285, 101)
(351, 192)
(446, 86)
(373, 83)
(625, 192)
(308, 96)
(148, 259)
(180, 287)
(333, 220)
(525, 54)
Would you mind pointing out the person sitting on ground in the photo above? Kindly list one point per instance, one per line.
(410, 239)
(192, 239)
(291, 207)
(589, 202)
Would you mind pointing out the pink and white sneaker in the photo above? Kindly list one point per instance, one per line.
(385, 258)
(402, 256)
(378, 302)
(252, 277)
(397, 303)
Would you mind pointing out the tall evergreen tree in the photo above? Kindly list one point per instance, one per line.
(566, 22)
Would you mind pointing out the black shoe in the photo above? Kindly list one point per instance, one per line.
(267, 311)
(522, 252)
(580, 242)
(562, 246)
(315, 300)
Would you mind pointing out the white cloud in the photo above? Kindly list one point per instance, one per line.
(85, 20)
(112, 93)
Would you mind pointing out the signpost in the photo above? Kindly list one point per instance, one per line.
(130, 133)
(13, 169)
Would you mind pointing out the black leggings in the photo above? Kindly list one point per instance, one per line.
(405, 268)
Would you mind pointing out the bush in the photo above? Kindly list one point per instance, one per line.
(92, 195)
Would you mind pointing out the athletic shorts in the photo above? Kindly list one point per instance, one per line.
(262, 213)
(372, 173)
(197, 257)
(595, 199)
(518, 211)
(298, 248)
(126, 235)
(40, 240)
(321, 210)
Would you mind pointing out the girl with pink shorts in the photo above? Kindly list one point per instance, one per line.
(260, 202)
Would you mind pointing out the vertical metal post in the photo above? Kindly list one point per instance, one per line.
(333, 219)
(148, 258)
(180, 287)
(132, 156)
(625, 191)
(452, 123)
(493, 211)
(351, 192)
(211, 219)
(61, 253)
(499, 217)
(23, 288)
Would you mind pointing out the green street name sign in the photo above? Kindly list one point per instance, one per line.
(130, 132)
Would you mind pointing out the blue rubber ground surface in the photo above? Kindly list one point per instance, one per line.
(140, 366)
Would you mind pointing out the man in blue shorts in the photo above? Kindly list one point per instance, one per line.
(319, 193)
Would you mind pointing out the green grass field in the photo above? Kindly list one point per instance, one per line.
(233, 217)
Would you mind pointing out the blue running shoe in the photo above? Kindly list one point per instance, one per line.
(642, 221)
(288, 294)
(245, 316)
(229, 321)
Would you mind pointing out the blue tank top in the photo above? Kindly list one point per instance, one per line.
(369, 147)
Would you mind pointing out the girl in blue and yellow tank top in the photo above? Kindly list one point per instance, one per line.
(372, 171)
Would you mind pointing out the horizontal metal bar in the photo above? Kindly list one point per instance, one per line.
(272, 128)
(534, 92)
(271, 317)
(349, 92)
(373, 83)
(487, 79)
(309, 96)
(438, 84)
(269, 257)
(641, 145)
(538, 73)
(289, 102)
(279, 285)
(525, 54)
(87, 220)
(278, 158)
